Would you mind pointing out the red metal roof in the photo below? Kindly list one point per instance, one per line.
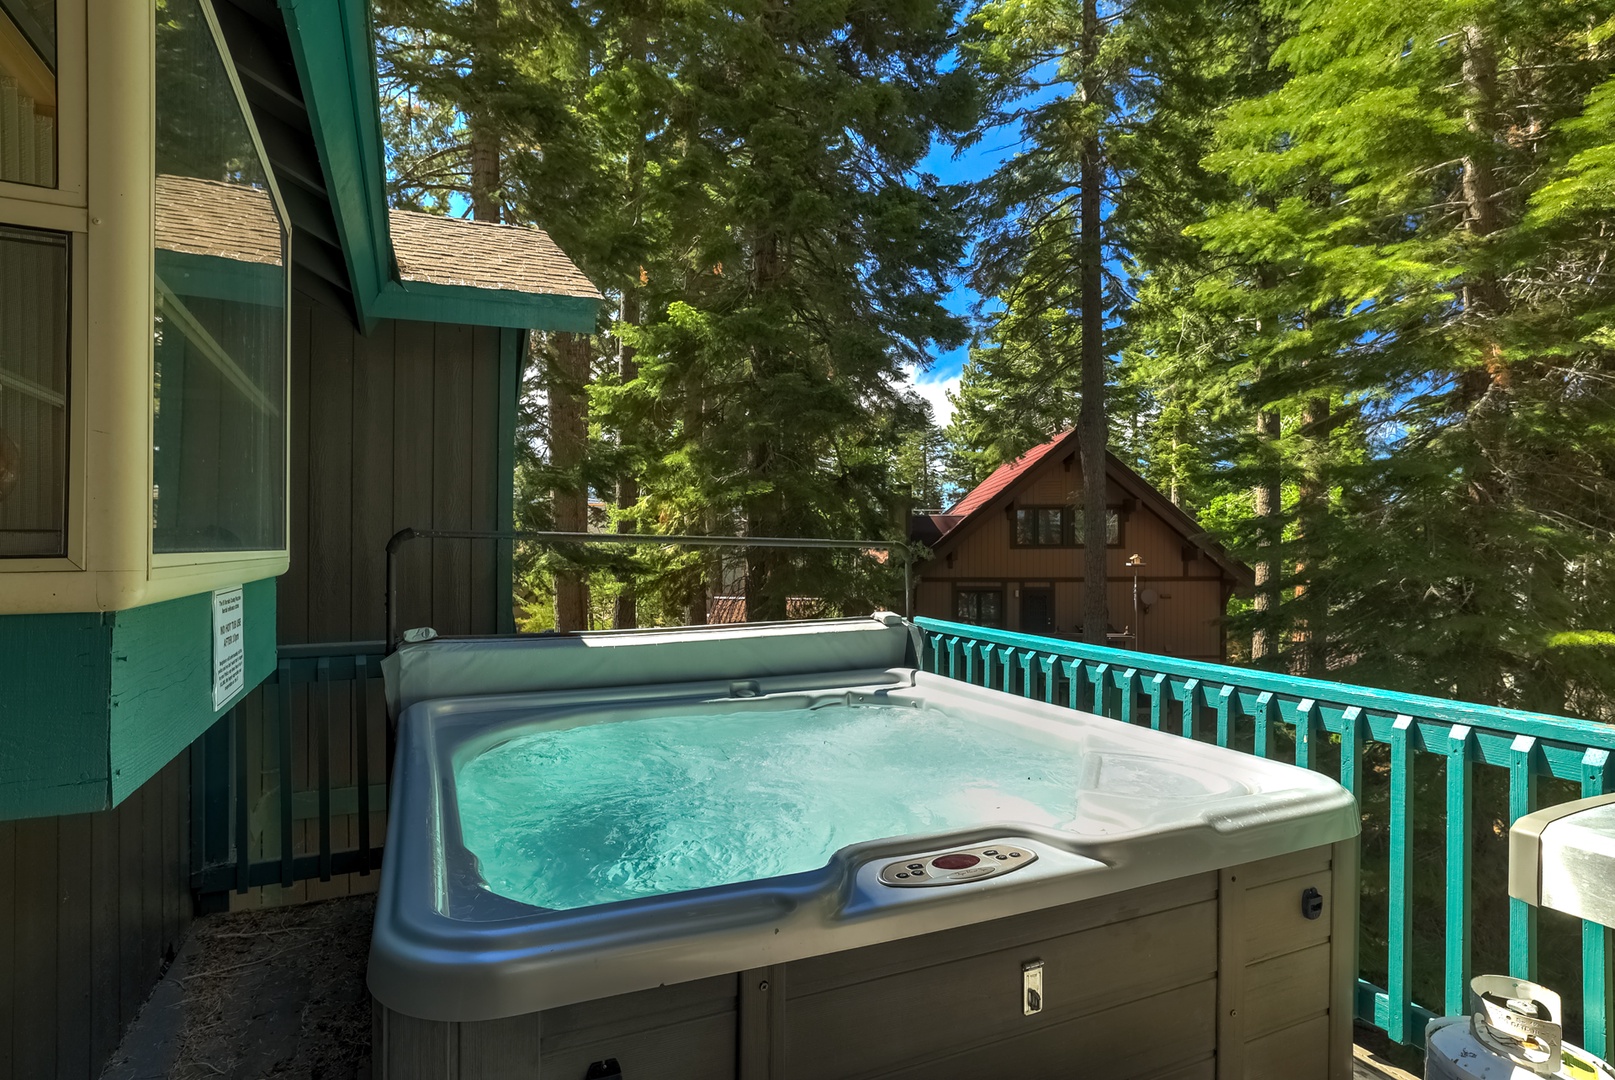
(1001, 478)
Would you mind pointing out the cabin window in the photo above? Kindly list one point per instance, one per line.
(33, 393)
(983, 607)
(219, 339)
(28, 92)
(1113, 526)
(1042, 526)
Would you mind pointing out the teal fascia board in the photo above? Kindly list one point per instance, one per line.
(333, 46)
(96, 703)
(487, 307)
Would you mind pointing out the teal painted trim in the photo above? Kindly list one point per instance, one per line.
(56, 674)
(95, 704)
(512, 350)
(1597, 958)
(426, 302)
(162, 678)
(1527, 745)
(213, 278)
(333, 49)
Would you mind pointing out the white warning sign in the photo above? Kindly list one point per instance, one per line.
(229, 650)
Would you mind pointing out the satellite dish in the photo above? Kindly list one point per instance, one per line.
(1148, 597)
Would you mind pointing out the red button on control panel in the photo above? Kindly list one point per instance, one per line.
(955, 862)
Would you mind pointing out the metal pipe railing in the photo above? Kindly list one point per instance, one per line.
(803, 543)
(1184, 696)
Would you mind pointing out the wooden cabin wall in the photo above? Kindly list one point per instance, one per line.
(1186, 620)
(398, 428)
(92, 906)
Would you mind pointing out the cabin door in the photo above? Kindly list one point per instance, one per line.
(1037, 610)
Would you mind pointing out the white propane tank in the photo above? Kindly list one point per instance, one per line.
(1513, 1032)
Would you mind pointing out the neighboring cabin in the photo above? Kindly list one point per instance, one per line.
(1009, 554)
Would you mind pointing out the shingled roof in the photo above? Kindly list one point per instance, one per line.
(483, 255)
(209, 217)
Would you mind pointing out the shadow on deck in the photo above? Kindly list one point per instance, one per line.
(280, 993)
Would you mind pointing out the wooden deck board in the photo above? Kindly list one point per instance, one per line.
(1367, 1065)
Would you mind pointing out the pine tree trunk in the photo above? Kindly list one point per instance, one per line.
(1092, 433)
(1268, 522)
(569, 433)
(765, 589)
(486, 204)
(626, 615)
(1312, 504)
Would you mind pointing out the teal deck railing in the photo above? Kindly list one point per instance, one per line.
(1331, 723)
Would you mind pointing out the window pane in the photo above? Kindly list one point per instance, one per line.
(1025, 523)
(28, 92)
(1048, 526)
(220, 333)
(1113, 527)
(33, 393)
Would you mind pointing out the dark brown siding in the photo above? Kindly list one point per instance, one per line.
(91, 907)
(395, 429)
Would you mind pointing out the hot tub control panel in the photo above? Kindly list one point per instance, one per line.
(955, 867)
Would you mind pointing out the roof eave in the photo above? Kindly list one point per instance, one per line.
(332, 44)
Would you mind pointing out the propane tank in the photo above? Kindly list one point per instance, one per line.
(1513, 1032)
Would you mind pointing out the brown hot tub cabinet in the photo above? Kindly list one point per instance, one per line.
(1180, 936)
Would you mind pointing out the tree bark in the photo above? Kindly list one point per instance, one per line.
(486, 204)
(626, 615)
(1268, 522)
(569, 433)
(1312, 507)
(1093, 433)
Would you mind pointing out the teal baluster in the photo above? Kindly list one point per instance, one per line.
(1073, 673)
(1597, 968)
(953, 657)
(1158, 689)
(1266, 711)
(1351, 749)
(1028, 684)
(1399, 959)
(1460, 842)
(1189, 706)
(1100, 677)
(1006, 679)
(969, 651)
(1522, 951)
(1306, 723)
(1047, 664)
(1127, 687)
(1225, 720)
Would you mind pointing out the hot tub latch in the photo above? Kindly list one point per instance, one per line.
(1032, 987)
(604, 1070)
(1312, 903)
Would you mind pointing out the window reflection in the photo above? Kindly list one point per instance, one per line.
(28, 92)
(33, 393)
(220, 309)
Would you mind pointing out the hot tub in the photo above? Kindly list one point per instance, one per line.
(784, 850)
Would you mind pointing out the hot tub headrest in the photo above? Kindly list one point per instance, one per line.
(461, 667)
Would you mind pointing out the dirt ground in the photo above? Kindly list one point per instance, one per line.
(277, 992)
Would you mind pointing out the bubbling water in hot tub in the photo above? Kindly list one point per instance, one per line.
(586, 815)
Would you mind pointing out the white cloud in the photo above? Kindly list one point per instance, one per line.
(936, 391)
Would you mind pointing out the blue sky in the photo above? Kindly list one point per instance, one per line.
(973, 164)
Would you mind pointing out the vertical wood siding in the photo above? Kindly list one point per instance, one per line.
(91, 908)
(392, 430)
(1185, 621)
